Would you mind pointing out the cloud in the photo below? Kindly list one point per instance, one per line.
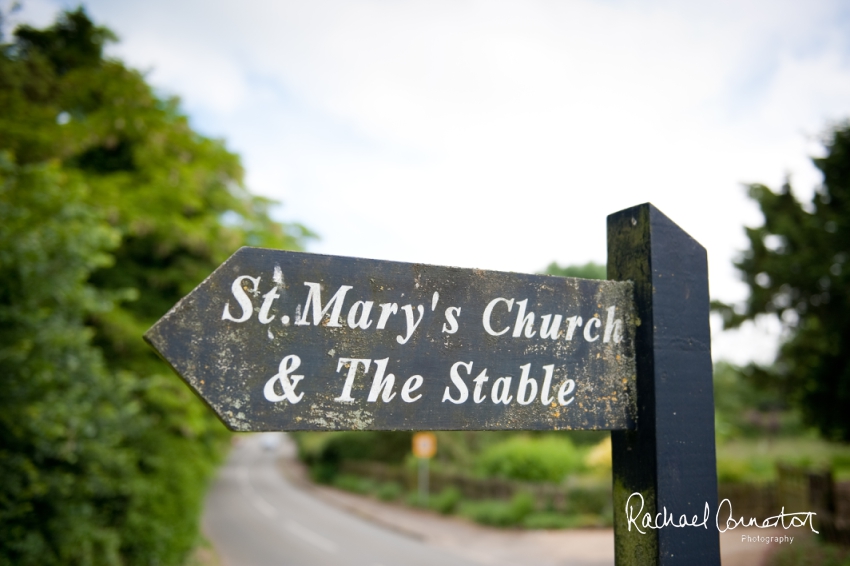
(499, 134)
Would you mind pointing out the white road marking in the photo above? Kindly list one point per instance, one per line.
(258, 502)
(312, 537)
(269, 511)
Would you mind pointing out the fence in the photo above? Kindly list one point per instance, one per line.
(555, 497)
(796, 489)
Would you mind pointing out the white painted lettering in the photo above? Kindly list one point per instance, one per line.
(594, 322)
(566, 389)
(501, 388)
(284, 374)
(413, 383)
(549, 370)
(609, 325)
(574, 322)
(553, 331)
(364, 321)
(618, 331)
(411, 323)
(524, 382)
(382, 382)
(451, 317)
(314, 299)
(489, 311)
(457, 380)
(478, 395)
(268, 299)
(523, 321)
(386, 310)
(352, 363)
(241, 298)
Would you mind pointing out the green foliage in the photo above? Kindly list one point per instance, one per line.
(589, 501)
(590, 270)
(62, 417)
(447, 500)
(744, 409)
(498, 513)
(755, 460)
(797, 269)
(325, 451)
(112, 208)
(547, 458)
(415, 499)
(389, 491)
(810, 551)
(354, 484)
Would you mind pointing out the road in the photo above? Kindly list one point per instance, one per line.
(256, 518)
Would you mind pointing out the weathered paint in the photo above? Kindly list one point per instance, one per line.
(228, 354)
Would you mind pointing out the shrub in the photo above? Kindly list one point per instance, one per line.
(389, 491)
(323, 452)
(488, 512)
(549, 458)
(589, 501)
(810, 551)
(105, 223)
(447, 500)
(415, 500)
(498, 513)
(354, 484)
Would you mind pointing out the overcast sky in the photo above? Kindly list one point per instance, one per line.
(499, 134)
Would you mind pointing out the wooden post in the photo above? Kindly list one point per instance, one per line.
(670, 459)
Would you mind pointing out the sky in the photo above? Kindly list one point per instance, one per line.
(500, 134)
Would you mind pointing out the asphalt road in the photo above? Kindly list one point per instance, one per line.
(254, 517)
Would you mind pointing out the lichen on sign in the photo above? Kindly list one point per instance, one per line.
(277, 340)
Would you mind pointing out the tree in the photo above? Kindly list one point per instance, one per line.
(111, 209)
(589, 270)
(796, 269)
(61, 414)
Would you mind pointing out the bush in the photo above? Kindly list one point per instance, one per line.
(755, 469)
(415, 500)
(489, 512)
(810, 551)
(546, 459)
(498, 513)
(323, 452)
(589, 501)
(106, 221)
(356, 484)
(446, 501)
(389, 491)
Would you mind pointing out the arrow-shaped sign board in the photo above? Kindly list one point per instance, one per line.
(277, 340)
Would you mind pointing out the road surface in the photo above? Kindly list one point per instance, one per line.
(254, 517)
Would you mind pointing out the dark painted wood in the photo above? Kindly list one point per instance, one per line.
(670, 459)
(232, 363)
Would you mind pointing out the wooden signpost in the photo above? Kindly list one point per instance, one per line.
(277, 340)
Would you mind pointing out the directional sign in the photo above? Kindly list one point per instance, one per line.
(277, 340)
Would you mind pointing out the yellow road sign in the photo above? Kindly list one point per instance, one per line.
(424, 444)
